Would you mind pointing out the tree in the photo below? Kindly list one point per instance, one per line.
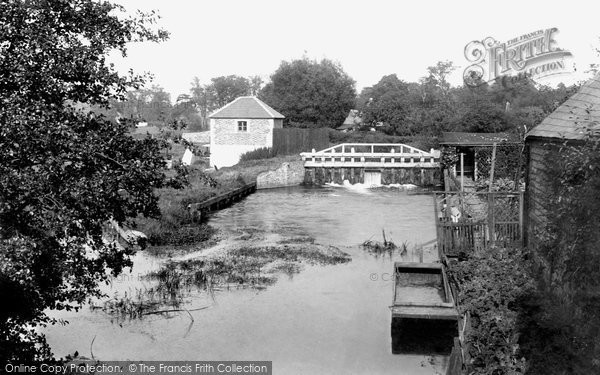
(387, 102)
(185, 110)
(437, 77)
(311, 92)
(256, 84)
(220, 91)
(223, 90)
(152, 105)
(65, 170)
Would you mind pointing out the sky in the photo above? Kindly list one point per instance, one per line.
(369, 39)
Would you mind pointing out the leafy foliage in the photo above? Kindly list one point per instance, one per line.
(64, 171)
(432, 106)
(563, 322)
(386, 102)
(491, 284)
(221, 90)
(259, 153)
(308, 91)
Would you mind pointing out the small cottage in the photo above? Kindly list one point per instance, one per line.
(243, 125)
(568, 124)
(477, 150)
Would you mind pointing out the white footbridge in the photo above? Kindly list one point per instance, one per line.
(372, 155)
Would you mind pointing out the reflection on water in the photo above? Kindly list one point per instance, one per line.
(422, 336)
(331, 319)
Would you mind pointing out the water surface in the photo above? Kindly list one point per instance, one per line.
(326, 319)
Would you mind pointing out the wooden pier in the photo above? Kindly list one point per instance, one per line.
(199, 210)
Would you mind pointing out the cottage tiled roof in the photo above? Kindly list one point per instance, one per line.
(477, 139)
(246, 107)
(570, 121)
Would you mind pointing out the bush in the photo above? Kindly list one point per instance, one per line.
(490, 286)
(562, 327)
(259, 153)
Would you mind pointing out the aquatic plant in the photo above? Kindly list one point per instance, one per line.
(385, 247)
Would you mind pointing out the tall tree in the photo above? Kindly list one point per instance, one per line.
(185, 109)
(64, 170)
(436, 78)
(387, 102)
(220, 91)
(311, 92)
(223, 90)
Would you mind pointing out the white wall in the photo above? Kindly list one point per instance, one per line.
(227, 144)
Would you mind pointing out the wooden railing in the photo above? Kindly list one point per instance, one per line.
(501, 223)
(380, 155)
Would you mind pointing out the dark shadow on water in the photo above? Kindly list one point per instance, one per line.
(423, 336)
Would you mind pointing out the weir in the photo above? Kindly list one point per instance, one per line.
(372, 164)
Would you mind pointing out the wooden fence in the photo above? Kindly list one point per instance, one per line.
(468, 222)
(295, 140)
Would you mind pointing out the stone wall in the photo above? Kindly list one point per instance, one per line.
(258, 134)
(288, 174)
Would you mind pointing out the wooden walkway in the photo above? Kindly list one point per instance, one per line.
(199, 210)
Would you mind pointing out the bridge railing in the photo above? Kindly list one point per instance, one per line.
(381, 155)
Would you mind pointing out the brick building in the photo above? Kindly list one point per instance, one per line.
(243, 125)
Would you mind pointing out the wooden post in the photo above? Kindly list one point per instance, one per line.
(491, 223)
(462, 171)
(493, 166)
(437, 225)
(521, 218)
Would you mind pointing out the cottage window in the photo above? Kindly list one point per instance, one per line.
(242, 126)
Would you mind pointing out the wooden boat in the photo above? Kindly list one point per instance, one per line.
(421, 291)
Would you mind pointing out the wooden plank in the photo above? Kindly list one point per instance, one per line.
(421, 312)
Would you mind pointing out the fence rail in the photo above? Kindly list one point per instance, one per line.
(468, 222)
(381, 155)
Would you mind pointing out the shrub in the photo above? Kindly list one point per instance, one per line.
(490, 286)
(259, 153)
(562, 327)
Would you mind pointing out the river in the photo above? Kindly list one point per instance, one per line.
(326, 319)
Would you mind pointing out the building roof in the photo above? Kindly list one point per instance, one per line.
(571, 119)
(351, 121)
(246, 107)
(477, 139)
(353, 118)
